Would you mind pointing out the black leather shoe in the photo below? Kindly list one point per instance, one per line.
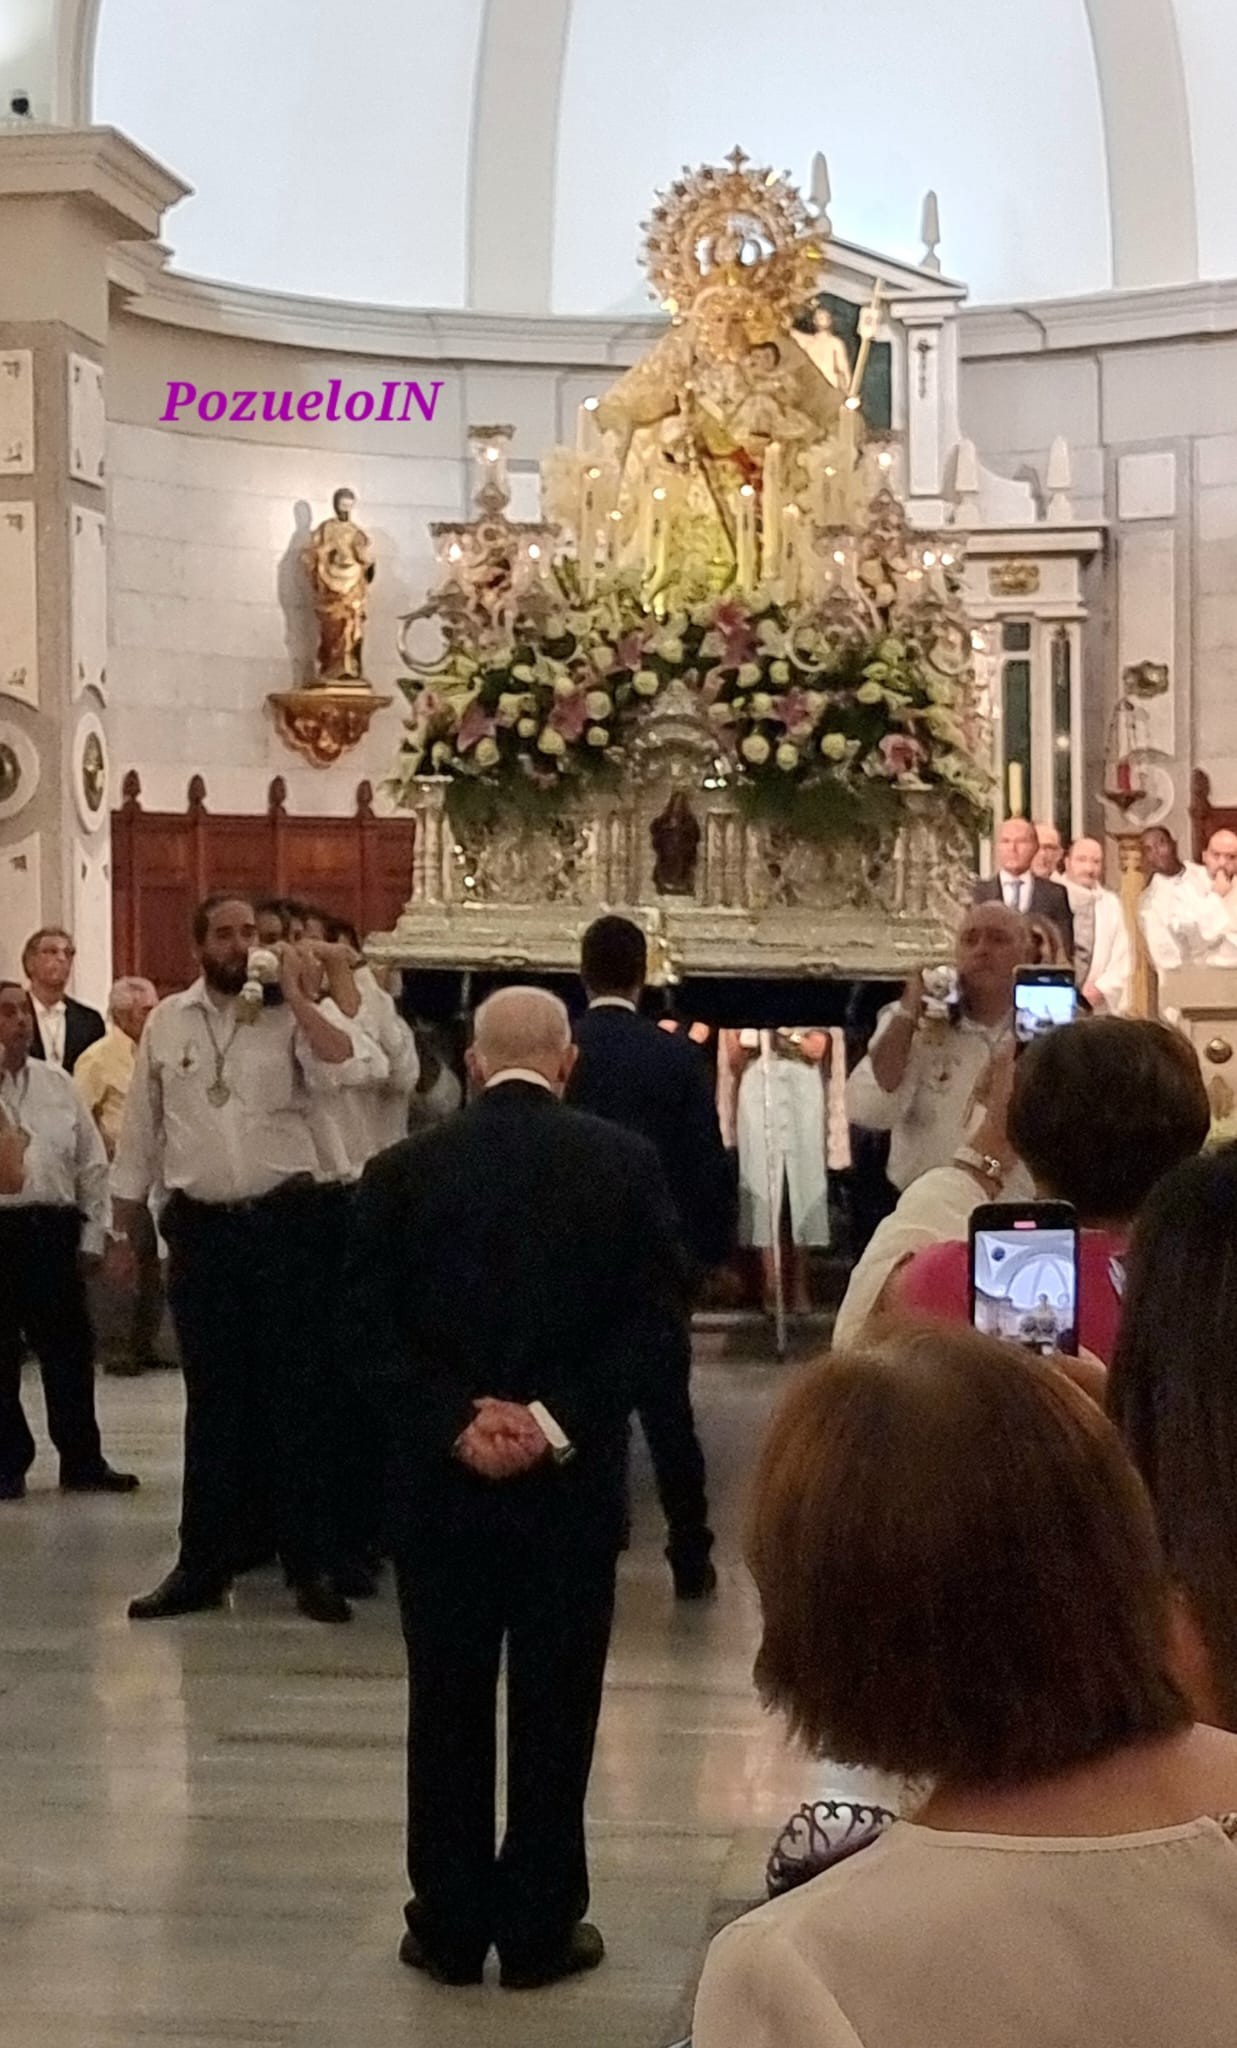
(317, 1600)
(179, 1593)
(102, 1480)
(13, 1489)
(584, 1951)
(414, 1956)
(695, 1581)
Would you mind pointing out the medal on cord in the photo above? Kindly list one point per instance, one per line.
(219, 1093)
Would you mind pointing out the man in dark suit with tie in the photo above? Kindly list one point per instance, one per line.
(631, 1073)
(505, 1266)
(1016, 884)
(63, 1028)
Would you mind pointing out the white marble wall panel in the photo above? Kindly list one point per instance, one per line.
(92, 923)
(1026, 404)
(19, 618)
(1147, 619)
(88, 600)
(1147, 485)
(21, 899)
(87, 420)
(1169, 391)
(16, 412)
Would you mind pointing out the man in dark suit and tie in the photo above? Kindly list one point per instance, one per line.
(631, 1073)
(505, 1266)
(63, 1028)
(1017, 885)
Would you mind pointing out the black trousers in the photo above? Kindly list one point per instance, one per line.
(247, 1286)
(43, 1309)
(487, 1573)
(664, 1406)
(356, 1463)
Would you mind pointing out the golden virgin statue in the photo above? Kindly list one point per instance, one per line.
(340, 564)
(733, 254)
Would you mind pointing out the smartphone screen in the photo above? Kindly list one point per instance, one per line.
(1044, 999)
(1024, 1278)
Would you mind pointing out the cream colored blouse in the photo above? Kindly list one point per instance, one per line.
(935, 1940)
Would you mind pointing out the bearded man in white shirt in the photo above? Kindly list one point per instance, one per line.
(1102, 955)
(219, 1115)
(51, 1226)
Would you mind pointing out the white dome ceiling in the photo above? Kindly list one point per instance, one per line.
(499, 152)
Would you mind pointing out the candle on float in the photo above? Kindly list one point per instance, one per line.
(1016, 792)
(655, 534)
(745, 538)
(586, 531)
(771, 514)
(586, 427)
(792, 540)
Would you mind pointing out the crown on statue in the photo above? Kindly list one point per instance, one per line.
(743, 228)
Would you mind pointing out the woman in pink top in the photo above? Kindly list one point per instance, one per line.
(1100, 1111)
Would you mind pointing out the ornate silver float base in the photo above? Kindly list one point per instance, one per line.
(755, 904)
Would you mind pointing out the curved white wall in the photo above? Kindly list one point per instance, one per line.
(1208, 31)
(327, 145)
(996, 105)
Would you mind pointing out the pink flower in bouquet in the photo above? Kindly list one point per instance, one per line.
(477, 724)
(713, 685)
(733, 623)
(630, 650)
(900, 753)
(570, 716)
(795, 711)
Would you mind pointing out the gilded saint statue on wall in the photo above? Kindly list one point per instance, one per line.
(340, 565)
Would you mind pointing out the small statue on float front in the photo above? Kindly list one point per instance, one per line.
(340, 565)
(675, 834)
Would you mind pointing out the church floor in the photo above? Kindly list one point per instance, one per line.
(201, 1821)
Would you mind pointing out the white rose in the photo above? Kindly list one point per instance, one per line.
(565, 686)
(552, 742)
(755, 749)
(599, 704)
(527, 728)
(442, 755)
(670, 649)
(833, 746)
(787, 755)
(602, 658)
(646, 682)
(523, 673)
(598, 736)
(488, 753)
(762, 704)
(779, 671)
(749, 674)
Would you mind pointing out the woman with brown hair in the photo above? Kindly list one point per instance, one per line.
(961, 1585)
(1173, 1395)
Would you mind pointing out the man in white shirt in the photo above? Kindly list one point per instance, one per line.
(1184, 915)
(126, 1320)
(63, 1027)
(919, 1078)
(387, 1103)
(1102, 957)
(56, 1221)
(219, 1116)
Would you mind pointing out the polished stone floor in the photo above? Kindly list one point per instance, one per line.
(200, 1821)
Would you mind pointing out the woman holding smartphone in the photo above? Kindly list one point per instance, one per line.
(1099, 1112)
(998, 1632)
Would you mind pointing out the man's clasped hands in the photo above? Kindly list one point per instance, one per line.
(503, 1440)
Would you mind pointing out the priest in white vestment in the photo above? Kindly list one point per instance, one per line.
(1102, 953)
(1186, 911)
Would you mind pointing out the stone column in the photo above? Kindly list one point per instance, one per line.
(68, 199)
